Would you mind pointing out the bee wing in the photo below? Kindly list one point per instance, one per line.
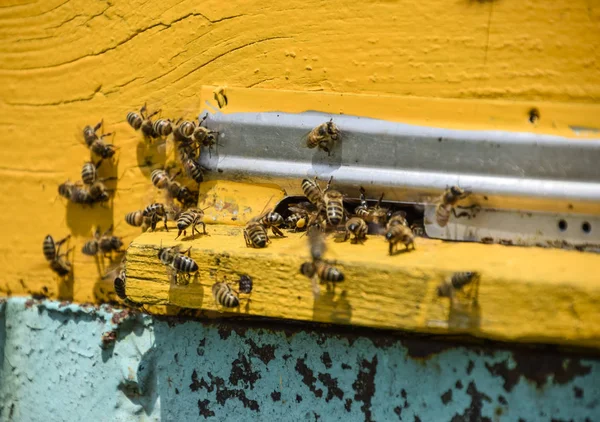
(304, 139)
(305, 206)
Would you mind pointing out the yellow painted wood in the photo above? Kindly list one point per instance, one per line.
(525, 294)
(68, 63)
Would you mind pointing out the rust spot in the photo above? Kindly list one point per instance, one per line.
(458, 385)
(222, 393)
(224, 332)
(276, 396)
(502, 400)
(109, 338)
(120, 316)
(298, 398)
(200, 348)
(364, 386)
(446, 397)
(326, 359)
(332, 387)
(348, 405)
(473, 412)
(29, 303)
(537, 369)
(578, 392)
(419, 349)
(176, 390)
(470, 367)
(345, 366)
(398, 411)
(308, 377)
(241, 370)
(204, 410)
(266, 352)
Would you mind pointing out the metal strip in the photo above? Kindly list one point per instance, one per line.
(504, 170)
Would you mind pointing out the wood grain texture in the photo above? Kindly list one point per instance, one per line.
(68, 63)
(525, 294)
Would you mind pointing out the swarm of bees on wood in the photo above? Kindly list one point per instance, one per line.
(322, 212)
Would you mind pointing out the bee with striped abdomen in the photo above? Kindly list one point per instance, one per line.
(89, 172)
(193, 169)
(446, 203)
(191, 218)
(134, 218)
(90, 135)
(156, 211)
(178, 262)
(120, 285)
(376, 214)
(160, 178)
(204, 136)
(143, 122)
(324, 136)
(272, 220)
(255, 234)
(316, 243)
(356, 226)
(225, 296)
(184, 129)
(105, 243)
(313, 191)
(163, 127)
(334, 207)
(58, 262)
(399, 233)
(98, 192)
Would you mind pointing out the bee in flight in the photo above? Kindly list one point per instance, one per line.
(105, 243)
(457, 282)
(324, 136)
(58, 262)
(177, 262)
(445, 204)
(143, 121)
(317, 268)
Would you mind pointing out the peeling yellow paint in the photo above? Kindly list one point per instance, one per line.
(66, 64)
(525, 294)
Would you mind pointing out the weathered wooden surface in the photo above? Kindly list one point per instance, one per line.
(65, 64)
(525, 294)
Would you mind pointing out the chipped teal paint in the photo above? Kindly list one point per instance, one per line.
(53, 368)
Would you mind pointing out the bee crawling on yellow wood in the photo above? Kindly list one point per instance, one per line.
(191, 218)
(225, 296)
(457, 281)
(324, 136)
(143, 122)
(356, 227)
(58, 262)
(177, 262)
(399, 233)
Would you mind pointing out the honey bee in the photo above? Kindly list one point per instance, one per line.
(399, 217)
(334, 207)
(193, 170)
(191, 217)
(297, 221)
(245, 284)
(58, 262)
(458, 280)
(376, 214)
(204, 136)
(324, 136)
(104, 244)
(313, 191)
(356, 226)
(446, 204)
(399, 233)
(137, 219)
(89, 172)
(102, 149)
(156, 211)
(163, 127)
(90, 135)
(78, 194)
(120, 284)
(143, 122)
(255, 234)
(98, 192)
(225, 296)
(160, 178)
(272, 220)
(184, 129)
(316, 243)
(178, 262)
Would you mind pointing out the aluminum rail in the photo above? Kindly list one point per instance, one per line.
(554, 176)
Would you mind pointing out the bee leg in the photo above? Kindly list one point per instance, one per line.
(391, 248)
(203, 228)
(178, 234)
(277, 232)
(165, 223)
(98, 125)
